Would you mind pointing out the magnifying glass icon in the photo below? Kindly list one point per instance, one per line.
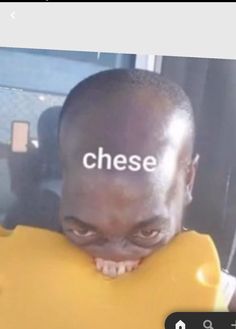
(207, 324)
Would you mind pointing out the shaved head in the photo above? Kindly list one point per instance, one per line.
(127, 111)
(126, 215)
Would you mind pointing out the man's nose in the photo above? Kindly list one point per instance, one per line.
(117, 250)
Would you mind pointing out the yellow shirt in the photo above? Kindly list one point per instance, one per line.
(47, 282)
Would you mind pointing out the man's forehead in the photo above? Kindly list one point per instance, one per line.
(127, 181)
(112, 188)
(126, 144)
(144, 124)
(125, 197)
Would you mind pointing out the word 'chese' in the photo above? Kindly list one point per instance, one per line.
(119, 162)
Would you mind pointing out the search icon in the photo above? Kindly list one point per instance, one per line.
(207, 324)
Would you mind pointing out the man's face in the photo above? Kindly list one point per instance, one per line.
(121, 217)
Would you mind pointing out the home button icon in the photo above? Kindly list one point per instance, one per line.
(180, 325)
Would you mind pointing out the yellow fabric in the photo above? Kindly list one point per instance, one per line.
(4, 232)
(46, 282)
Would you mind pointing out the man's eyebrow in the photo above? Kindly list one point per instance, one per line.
(149, 221)
(80, 222)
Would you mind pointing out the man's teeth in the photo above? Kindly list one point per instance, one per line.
(113, 269)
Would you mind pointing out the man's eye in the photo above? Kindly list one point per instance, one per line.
(146, 233)
(82, 232)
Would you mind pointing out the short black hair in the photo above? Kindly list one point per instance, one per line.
(112, 79)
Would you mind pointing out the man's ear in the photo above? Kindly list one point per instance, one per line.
(190, 178)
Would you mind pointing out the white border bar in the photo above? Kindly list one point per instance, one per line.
(177, 29)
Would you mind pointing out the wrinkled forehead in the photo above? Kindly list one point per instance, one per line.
(95, 181)
(125, 196)
(117, 190)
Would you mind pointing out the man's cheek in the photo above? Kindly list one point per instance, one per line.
(176, 208)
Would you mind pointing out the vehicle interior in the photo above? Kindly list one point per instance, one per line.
(33, 87)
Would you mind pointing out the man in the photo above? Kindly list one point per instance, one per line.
(115, 206)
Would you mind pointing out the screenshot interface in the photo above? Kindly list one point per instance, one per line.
(117, 186)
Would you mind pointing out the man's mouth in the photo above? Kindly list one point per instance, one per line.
(114, 269)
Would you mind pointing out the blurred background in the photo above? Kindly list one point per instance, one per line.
(33, 87)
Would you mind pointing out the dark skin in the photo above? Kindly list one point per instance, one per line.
(122, 216)
(114, 209)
